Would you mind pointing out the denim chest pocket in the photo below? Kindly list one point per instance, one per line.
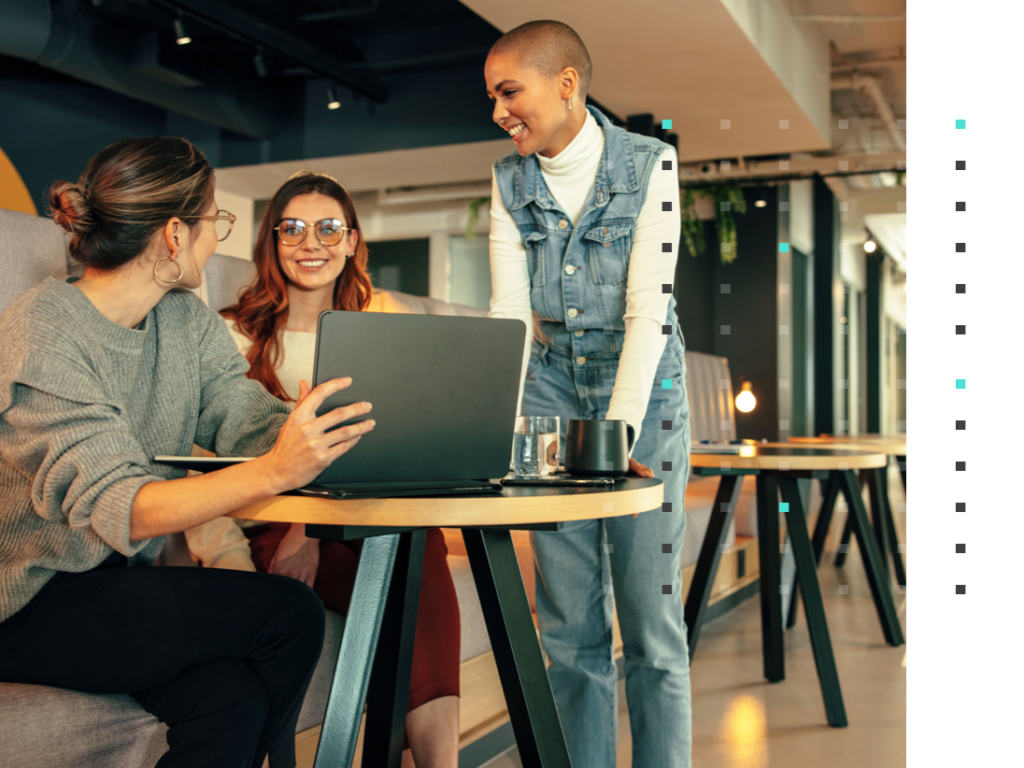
(608, 247)
(534, 242)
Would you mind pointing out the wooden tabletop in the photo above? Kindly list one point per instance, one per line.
(893, 445)
(782, 457)
(518, 505)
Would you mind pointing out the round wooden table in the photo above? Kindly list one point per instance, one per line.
(380, 626)
(777, 467)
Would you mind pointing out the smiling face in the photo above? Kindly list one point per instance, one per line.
(311, 265)
(532, 107)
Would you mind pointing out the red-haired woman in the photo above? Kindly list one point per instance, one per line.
(310, 258)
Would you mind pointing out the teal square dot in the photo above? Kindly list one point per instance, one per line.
(783, 247)
(783, 507)
(666, 125)
(961, 383)
(666, 383)
(961, 124)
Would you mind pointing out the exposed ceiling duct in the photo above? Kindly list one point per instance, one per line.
(54, 36)
(869, 86)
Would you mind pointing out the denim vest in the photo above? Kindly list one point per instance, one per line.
(578, 274)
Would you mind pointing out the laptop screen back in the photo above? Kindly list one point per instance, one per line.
(443, 391)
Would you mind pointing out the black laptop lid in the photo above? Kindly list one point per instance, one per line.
(443, 391)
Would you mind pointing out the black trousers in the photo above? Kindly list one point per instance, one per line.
(222, 657)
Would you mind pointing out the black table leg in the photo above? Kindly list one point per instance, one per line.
(355, 658)
(524, 678)
(771, 606)
(888, 532)
(902, 461)
(828, 505)
(814, 608)
(844, 542)
(710, 553)
(879, 506)
(877, 580)
(388, 696)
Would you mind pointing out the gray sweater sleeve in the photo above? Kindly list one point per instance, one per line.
(238, 417)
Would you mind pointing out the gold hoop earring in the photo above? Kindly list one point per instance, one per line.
(156, 270)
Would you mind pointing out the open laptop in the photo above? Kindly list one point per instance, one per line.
(444, 394)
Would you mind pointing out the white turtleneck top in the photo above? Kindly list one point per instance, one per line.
(570, 176)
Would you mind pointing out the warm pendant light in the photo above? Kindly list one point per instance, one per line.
(745, 400)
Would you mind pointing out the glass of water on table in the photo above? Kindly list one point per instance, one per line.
(535, 446)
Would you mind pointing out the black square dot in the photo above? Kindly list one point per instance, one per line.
(961, 466)
(666, 287)
(666, 466)
(961, 287)
(666, 165)
(666, 330)
(961, 206)
(961, 549)
(666, 549)
(961, 165)
(961, 589)
(666, 206)
(961, 425)
(666, 425)
(961, 330)
(961, 506)
(666, 506)
(961, 247)
(666, 589)
(666, 247)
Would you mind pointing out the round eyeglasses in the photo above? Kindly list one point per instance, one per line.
(223, 221)
(327, 231)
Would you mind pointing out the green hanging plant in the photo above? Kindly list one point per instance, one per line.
(474, 216)
(725, 222)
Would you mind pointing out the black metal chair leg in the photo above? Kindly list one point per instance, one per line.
(878, 510)
(880, 589)
(828, 505)
(902, 461)
(388, 695)
(772, 633)
(844, 543)
(524, 678)
(355, 658)
(814, 608)
(889, 524)
(710, 553)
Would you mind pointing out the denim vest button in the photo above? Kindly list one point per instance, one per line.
(570, 269)
(572, 313)
(606, 244)
(580, 360)
(562, 223)
(579, 333)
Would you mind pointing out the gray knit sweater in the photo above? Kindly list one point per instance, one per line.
(85, 404)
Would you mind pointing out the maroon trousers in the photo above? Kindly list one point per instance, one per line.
(435, 656)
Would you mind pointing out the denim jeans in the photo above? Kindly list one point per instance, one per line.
(583, 566)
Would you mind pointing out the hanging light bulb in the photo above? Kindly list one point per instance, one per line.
(760, 203)
(870, 246)
(745, 400)
(180, 34)
(332, 98)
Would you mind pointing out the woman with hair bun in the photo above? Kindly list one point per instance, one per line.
(584, 235)
(99, 374)
(310, 258)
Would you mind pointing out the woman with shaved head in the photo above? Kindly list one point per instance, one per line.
(584, 233)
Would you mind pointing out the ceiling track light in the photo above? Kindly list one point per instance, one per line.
(259, 62)
(181, 36)
(332, 98)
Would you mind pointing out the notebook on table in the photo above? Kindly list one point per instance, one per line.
(444, 394)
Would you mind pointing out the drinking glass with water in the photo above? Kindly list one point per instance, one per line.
(535, 446)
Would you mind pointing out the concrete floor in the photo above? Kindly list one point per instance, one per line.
(742, 721)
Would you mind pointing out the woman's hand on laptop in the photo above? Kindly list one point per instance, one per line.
(304, 446)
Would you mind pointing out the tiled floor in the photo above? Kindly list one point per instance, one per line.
(742, 721)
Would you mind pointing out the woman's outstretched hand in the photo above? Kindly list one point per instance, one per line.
(297, 556)
(304, 446)
(636, 469)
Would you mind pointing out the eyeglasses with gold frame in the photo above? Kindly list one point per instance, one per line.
(223, 223)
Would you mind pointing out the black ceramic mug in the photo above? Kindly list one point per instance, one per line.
(598, 448)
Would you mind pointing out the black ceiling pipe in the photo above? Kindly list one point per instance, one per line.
(53, 36)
